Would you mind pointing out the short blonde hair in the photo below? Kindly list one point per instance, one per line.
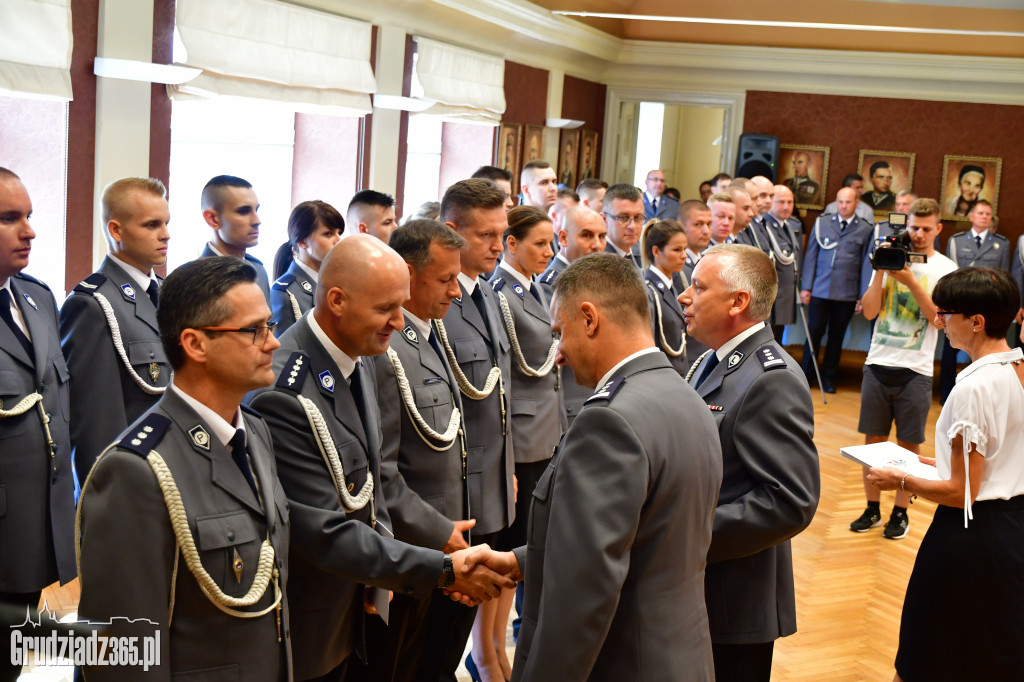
(115, 195)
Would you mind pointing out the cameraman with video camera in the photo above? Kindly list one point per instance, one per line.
(897, 383)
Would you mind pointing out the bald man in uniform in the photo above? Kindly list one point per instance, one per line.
(324, 418)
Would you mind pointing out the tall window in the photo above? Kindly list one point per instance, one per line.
(423, 162)
(651, 124)
(249, 139)
(34, 134)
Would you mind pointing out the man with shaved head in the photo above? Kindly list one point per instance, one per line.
(764, 191)
(325, 422)
(231, 210)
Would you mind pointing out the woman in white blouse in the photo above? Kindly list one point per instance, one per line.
(963, 616)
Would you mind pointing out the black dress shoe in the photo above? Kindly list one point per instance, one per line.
(829, 388)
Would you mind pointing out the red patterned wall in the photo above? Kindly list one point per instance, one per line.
(583, 100)
(929, 129)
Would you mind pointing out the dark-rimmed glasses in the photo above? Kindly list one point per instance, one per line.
(259, 334)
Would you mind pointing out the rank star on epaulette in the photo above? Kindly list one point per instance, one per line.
(410, 334)
(518, 288)
(128, 291)
(31, 302)
(326, 380)
(769, 360)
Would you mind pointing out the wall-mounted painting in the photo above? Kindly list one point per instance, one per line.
(506, 149)
(533, 144)
(804, 169)
(886, 174)
(965, 181)
(568, 157)
(588, 156)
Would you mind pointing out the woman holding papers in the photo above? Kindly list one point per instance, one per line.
(963, 617)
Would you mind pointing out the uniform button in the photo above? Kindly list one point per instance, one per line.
(231, 535)
(435, 398)
(152, 355)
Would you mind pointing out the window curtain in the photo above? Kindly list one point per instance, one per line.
(35, 48)
(269, 50)
(465, 86)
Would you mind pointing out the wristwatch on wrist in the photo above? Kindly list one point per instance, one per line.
(447, 573)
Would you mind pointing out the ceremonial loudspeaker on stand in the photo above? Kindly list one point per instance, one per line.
(758, 155)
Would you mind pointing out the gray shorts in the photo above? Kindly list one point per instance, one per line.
(890, 394)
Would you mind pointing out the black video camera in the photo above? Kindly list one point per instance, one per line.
(893, 252)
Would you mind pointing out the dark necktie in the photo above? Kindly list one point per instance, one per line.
(654, 207)
(536, 294)
(977, 240)
(5, 312)
(153, 291)
(478, 299)
(432, 339)
(238, 454)
(356, 384)
(842, 226)
(708, 368)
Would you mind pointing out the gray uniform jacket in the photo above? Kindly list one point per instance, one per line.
(335, 551)
(995, 249)
(262, 281)
(756, 234)
(37, 494)
(538, 410)
(425, 489)
(573, 395)
(292, 289)
(1017, 266)
(128, 549)
(838, 269)
(669, 324)
(770, 487)
(634, 254)
(478, 346)
(668, 208)
(105, 398)
(620, 525)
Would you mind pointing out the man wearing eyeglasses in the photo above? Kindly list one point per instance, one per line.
(324, 417)
(184, 526)
(624, 215)
(108, 326)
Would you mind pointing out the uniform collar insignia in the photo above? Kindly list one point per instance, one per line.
(661, 285)
(30, 301)
(518, 288)
(410, 334)
(200, 437)
(769, 360)
(306, 286)
(734, 359)
(128, 291)
(327, 380)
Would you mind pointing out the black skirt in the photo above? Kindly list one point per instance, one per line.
(963, 616)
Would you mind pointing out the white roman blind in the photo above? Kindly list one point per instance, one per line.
(35, 48)
(465, 85)
(270, 50)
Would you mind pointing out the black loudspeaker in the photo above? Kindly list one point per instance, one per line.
(758, 155)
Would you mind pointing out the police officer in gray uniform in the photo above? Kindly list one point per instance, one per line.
(620, 522)
(230, 208)
(771, 481)
(37, 488)
(583, 232)
(324, 419)
(291, 296)
(108, 324)
(979, 247)
(423, 456)
(836, 271)
(782, 246)
(184, 525)
(667, 324)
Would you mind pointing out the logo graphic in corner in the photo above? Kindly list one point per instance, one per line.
(327, 380)
(128, 291)
(200, 437)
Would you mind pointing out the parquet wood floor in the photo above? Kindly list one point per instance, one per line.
(849, 586)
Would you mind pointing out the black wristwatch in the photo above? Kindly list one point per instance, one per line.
(447, 578)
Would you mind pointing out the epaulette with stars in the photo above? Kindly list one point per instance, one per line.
(145, 435)
(294, 373)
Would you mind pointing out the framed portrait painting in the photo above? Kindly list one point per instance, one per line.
(804, 169)
(886, 174)
(965, 181)
(533, 143)
(568, 157)
(506, 149)
(588, 156)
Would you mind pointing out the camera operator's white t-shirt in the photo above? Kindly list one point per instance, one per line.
(902, 336)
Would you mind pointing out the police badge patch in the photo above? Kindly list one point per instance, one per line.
(200, 437)
(410, 334)
(128, 291)
(327, 380)
(306, 286)
(518, 288)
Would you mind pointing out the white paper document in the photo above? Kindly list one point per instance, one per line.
(891, 455)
